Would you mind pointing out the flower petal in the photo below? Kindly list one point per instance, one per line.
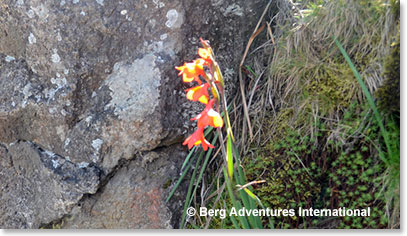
(199, 93)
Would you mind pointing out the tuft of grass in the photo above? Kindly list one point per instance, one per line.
(313, 116)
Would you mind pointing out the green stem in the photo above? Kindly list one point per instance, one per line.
(368, 97)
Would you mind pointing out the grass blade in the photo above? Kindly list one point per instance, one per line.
(233, 219)
(188, 157)
(253, 196)
(179, 181)
(235, 203)
(368, 97)
(203, 167)
(189, 193)
(229, 159)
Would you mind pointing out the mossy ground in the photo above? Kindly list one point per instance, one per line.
(325, 149)
(316, 142)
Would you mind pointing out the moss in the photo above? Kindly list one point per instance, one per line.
(167, 184)
(323, 143)
(301, 172)
(351, 186)
(333, 85)
(288, 184)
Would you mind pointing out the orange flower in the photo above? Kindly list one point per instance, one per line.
(209, 117)
(198, 138)
(206, 55)
(191, 71)
(199, 93)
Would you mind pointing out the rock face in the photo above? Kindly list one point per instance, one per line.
(39, 185)
(134, 197)
(85, 85)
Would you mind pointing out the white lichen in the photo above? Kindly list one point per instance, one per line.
(100, 2)
(31, 39)
(163, 36)
(67, 141)
(216, 3)
(41, 11)
(24, 104)
(30, 13)
(88, 119)
(9, 58)
(63, 112)
(55, 163)
(26, 90)
(173, 19)
(60, 82)
(55, 57)
(59, 38)
(97, 143)
(233, 9)
(51, 93)
(52, 110)
(135, 88)
(158, 4)
(83, 164)
(49, 153)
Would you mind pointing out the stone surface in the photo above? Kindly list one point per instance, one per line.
(94, 82)
(135, 196)
(39, 185)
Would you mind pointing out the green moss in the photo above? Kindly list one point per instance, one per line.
(300, 172)
(167, 184)
(333, 85)
(288, 184)
(323, 142)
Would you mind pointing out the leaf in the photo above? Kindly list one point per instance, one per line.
(229, 157)
(252, 195)
(368, 97)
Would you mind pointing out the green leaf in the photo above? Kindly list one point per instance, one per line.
(229, 159)
(189, 193)
(185, 171)
(253, 196)
(203, 167)
(236, 204)
(188, 157)
(368, 97)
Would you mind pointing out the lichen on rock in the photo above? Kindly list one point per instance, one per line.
(93, 81)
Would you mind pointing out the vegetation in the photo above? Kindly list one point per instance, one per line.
(325, 143)
(316, 122)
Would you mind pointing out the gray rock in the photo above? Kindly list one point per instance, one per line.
(39, 185)
(94, 81)
(134, 197)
